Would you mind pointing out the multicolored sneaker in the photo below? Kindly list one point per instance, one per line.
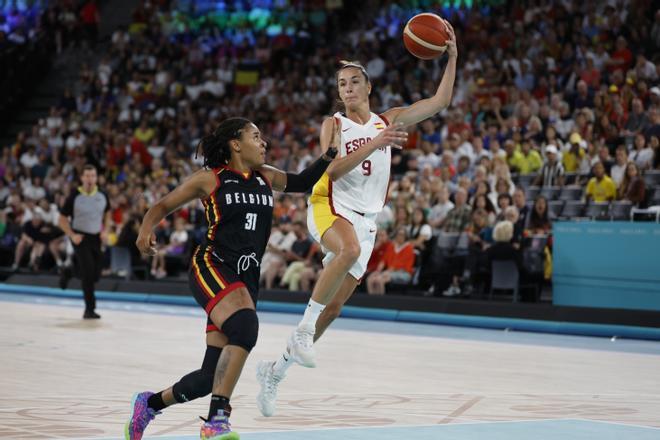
(141, 415)
(218, 428)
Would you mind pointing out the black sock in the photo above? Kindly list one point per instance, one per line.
(219, 403)
(156, 403)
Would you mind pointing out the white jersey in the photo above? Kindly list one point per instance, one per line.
(364, 188)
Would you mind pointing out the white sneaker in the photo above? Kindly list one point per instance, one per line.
(301, 346)
(267, 397)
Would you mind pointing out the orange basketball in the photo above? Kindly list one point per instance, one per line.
(425, 36)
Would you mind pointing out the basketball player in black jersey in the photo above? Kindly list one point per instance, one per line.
(236, 189)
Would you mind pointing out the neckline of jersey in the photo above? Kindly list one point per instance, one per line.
(235, 171)
(356, 123)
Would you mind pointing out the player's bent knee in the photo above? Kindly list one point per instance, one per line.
(242, 329)
(350, 252)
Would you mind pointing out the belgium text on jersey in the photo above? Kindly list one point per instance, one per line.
(253, 199)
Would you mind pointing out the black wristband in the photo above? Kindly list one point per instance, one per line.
(329, 155)
(304, 181)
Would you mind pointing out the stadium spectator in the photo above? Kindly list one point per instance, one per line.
(642, 153)
(633, 187)
(441, 207)
(572, 157)
(539, 219)
(530, 160)
(459, 217)
(176, 247)
(520, 202)
(279, 245)
(397, 265)
(301, 255)
(33, 239)
(552, 173)
(419, 232)
(482, 202)
(619, 168)
(601, 188)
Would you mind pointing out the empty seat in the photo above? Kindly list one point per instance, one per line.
(652, 178)
(120, 261)
(573, 192)
(572, 208)
(504, 276)
(447, 240)
(620, 210)
(570, 178)
(655, 197)
(533, 192)
(526, 180)
(550, 192)
(596, 210)
(555, 207)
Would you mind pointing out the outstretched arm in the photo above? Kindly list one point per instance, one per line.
(199, 185)
(302, 182)
(428, 107)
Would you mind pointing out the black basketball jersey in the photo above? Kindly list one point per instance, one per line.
(239, 214)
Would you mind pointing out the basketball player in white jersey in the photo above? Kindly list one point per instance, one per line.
(345, 202)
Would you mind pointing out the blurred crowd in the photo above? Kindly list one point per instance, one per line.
(62, 22)
(555, 111)
(32, 33)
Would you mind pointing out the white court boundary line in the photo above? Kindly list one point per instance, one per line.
(633, 425)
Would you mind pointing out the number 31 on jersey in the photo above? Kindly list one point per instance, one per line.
(251, 221)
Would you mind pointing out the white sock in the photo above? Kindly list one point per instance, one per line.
(282, 364)
(312, 313)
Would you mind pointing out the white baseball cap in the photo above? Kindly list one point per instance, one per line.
(550, 149)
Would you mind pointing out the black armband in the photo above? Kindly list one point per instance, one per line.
(304, 181)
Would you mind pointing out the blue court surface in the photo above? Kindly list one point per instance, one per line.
(537, 430)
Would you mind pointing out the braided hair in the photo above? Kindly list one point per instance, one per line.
(215, 146)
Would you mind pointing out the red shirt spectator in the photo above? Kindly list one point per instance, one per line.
(140, 149)
(400, 258)
(90, 13)
(381, 245)
(622, 57)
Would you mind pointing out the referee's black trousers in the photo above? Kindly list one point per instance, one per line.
(89, 262)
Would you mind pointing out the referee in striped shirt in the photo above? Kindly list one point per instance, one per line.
(87, 207)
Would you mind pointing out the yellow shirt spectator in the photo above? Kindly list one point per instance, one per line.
(602, 191)
(144, 133)
(530, 162)
(515, 160)
(571, 160)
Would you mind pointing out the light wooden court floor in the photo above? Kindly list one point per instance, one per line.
(63, 377)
